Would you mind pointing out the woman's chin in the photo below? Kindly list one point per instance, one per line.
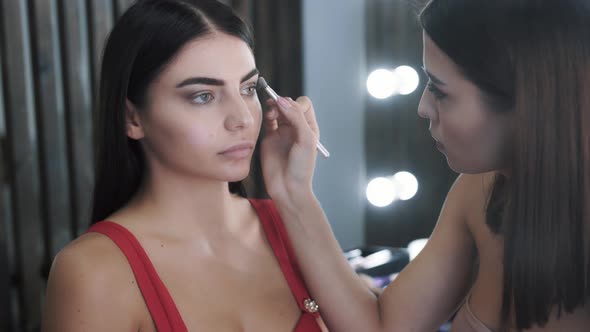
(468, 169)
(238, 176)
(456, 167)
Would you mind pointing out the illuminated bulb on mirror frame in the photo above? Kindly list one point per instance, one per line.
(382, 83)
(406, 185)
(381, 192)
(407, 78)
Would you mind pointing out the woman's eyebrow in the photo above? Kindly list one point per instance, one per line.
(432, 77)
(214, 81)
(252, 73)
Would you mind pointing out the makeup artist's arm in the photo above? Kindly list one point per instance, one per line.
(422, 296)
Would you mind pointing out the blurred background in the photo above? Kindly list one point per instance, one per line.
(359, 61)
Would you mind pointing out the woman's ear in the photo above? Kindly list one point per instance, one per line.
(133, 121)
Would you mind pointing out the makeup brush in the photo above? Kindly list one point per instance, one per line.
(264, 86)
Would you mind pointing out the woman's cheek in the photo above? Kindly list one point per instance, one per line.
(199, 137)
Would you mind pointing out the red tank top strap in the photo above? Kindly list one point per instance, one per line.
(278, 238)
(159, 302)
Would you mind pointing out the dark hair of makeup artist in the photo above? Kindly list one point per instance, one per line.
(141, 44)
(532, 57)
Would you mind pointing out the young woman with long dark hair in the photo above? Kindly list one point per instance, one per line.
(508, 101)
(174, 244)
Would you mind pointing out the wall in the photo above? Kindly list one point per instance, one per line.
(334, 76)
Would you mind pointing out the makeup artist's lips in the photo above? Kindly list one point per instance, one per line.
(238, 151)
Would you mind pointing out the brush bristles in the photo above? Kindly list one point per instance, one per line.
(261, 84)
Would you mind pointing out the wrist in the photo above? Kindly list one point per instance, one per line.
(295, 204)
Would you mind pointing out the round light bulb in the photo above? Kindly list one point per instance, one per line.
(406, 185)
(381, 192)
(408, 79)
(382, 83)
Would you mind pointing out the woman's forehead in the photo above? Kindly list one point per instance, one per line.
(216, 55)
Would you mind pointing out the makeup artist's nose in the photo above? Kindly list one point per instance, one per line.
(239, 115)
(426, 108)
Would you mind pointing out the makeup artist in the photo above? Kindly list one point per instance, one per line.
(508, 103)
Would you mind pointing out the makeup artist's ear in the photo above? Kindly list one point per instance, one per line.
(133, 121)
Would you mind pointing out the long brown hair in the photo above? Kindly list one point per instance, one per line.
(532, 57)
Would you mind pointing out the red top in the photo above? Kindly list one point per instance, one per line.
(161, 305)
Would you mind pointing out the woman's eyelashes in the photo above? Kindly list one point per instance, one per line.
(435, 91)
(207, 97)
(202, 98)
(249, 90)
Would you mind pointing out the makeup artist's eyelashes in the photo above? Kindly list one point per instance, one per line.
(438, 95)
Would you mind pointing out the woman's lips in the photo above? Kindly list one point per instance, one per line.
(238, 151)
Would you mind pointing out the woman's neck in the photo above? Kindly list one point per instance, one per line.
(187, 205)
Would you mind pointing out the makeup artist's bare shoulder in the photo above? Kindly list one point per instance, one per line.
(473, 191)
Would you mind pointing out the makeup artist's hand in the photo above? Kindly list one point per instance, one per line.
(288, 150)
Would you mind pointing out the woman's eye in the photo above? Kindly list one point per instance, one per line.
(249, 91)
(438, 95)
(202, 98)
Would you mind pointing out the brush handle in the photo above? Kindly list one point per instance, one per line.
(323, 151)
(272, 93)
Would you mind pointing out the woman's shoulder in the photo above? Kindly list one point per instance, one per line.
(90, 278)
(94, 267)
(470, 194)
(92, 249)
(93, 261)
(473, 189)
(475, 184)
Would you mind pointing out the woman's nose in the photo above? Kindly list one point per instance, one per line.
(426, 108)
(240, 116)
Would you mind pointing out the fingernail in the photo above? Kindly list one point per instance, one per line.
(284, 102)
